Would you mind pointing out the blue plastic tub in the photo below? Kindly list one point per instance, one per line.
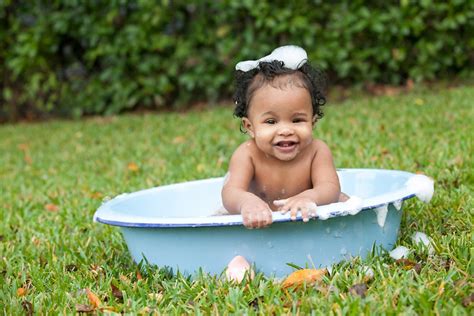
(174, 226)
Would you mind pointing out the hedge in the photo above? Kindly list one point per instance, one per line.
(74, 57)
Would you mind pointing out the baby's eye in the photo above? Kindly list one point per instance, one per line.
(299, 120)
(270, 121)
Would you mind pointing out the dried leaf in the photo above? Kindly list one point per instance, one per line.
(28, 307)
(468, 300)
(124, 279)
(21, 292)
(93, 299)
(108, 309)
(302, 276)
(23, 146)
(132, 167)
(139, 276)
(71, 268)
(359, 289)
(27, 159)
(83, 308)
(179, 140)
(96, 195)
(96, 269)
(408, 264)
(116, 292)
(156, 296)
(51, 207)
(35, 241)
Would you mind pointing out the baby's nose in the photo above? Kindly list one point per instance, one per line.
(285, 131)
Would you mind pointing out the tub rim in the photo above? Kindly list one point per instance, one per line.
(105, 215)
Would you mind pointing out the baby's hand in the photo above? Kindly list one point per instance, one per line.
(294, 204)
(256, 214)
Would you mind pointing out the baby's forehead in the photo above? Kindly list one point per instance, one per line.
(280, 81)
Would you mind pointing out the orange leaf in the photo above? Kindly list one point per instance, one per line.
(51, 207)
(93, 299)
(302, 276)
(179, 140)
(23, 146)
(132, 167)
(96, 195)
(139, 276)
(21, 291)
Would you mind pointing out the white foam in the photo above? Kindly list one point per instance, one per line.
(420, 237)
(381, 212)
(398, 204)
(422, 186)
(323, 213)
(353, 205)
(292, 56)
(399, 252)
(368, 271)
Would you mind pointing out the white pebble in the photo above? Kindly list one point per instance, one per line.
(399, 252)
(420, 237)
(368, 271)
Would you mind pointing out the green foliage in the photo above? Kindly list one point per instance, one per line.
(72, 57)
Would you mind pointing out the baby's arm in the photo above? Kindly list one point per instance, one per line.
(326, 188)
(235, 195)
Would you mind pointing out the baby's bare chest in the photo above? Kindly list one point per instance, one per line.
(271, 183)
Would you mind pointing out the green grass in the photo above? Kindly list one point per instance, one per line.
(56, 254)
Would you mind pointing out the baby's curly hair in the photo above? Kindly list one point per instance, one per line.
(247, 82)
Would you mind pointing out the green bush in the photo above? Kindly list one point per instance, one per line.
(69, 57)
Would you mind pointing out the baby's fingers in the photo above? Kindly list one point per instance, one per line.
(280, 204)
(304, 213)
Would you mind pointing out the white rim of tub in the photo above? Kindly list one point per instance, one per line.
(106, 215)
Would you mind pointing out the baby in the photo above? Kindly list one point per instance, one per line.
(281, 167)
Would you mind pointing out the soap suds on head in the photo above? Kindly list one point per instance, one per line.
(420, 237)
(381, 212)
(422, 186)
(399, 252)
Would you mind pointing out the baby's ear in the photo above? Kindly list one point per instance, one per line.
(248, 126)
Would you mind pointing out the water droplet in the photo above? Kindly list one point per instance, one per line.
(283, 191)
(328, 230)
(269, 244)
(337, 234)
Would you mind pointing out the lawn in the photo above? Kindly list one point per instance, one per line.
(54, 175)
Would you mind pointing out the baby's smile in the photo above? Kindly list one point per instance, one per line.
(286, 146)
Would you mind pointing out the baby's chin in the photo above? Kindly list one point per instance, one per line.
(286, 157)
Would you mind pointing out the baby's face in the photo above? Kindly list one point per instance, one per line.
(280, 120)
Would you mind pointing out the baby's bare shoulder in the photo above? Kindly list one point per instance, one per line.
(319, 147)
(246, 149)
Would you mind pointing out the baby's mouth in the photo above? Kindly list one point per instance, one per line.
(286, 144)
